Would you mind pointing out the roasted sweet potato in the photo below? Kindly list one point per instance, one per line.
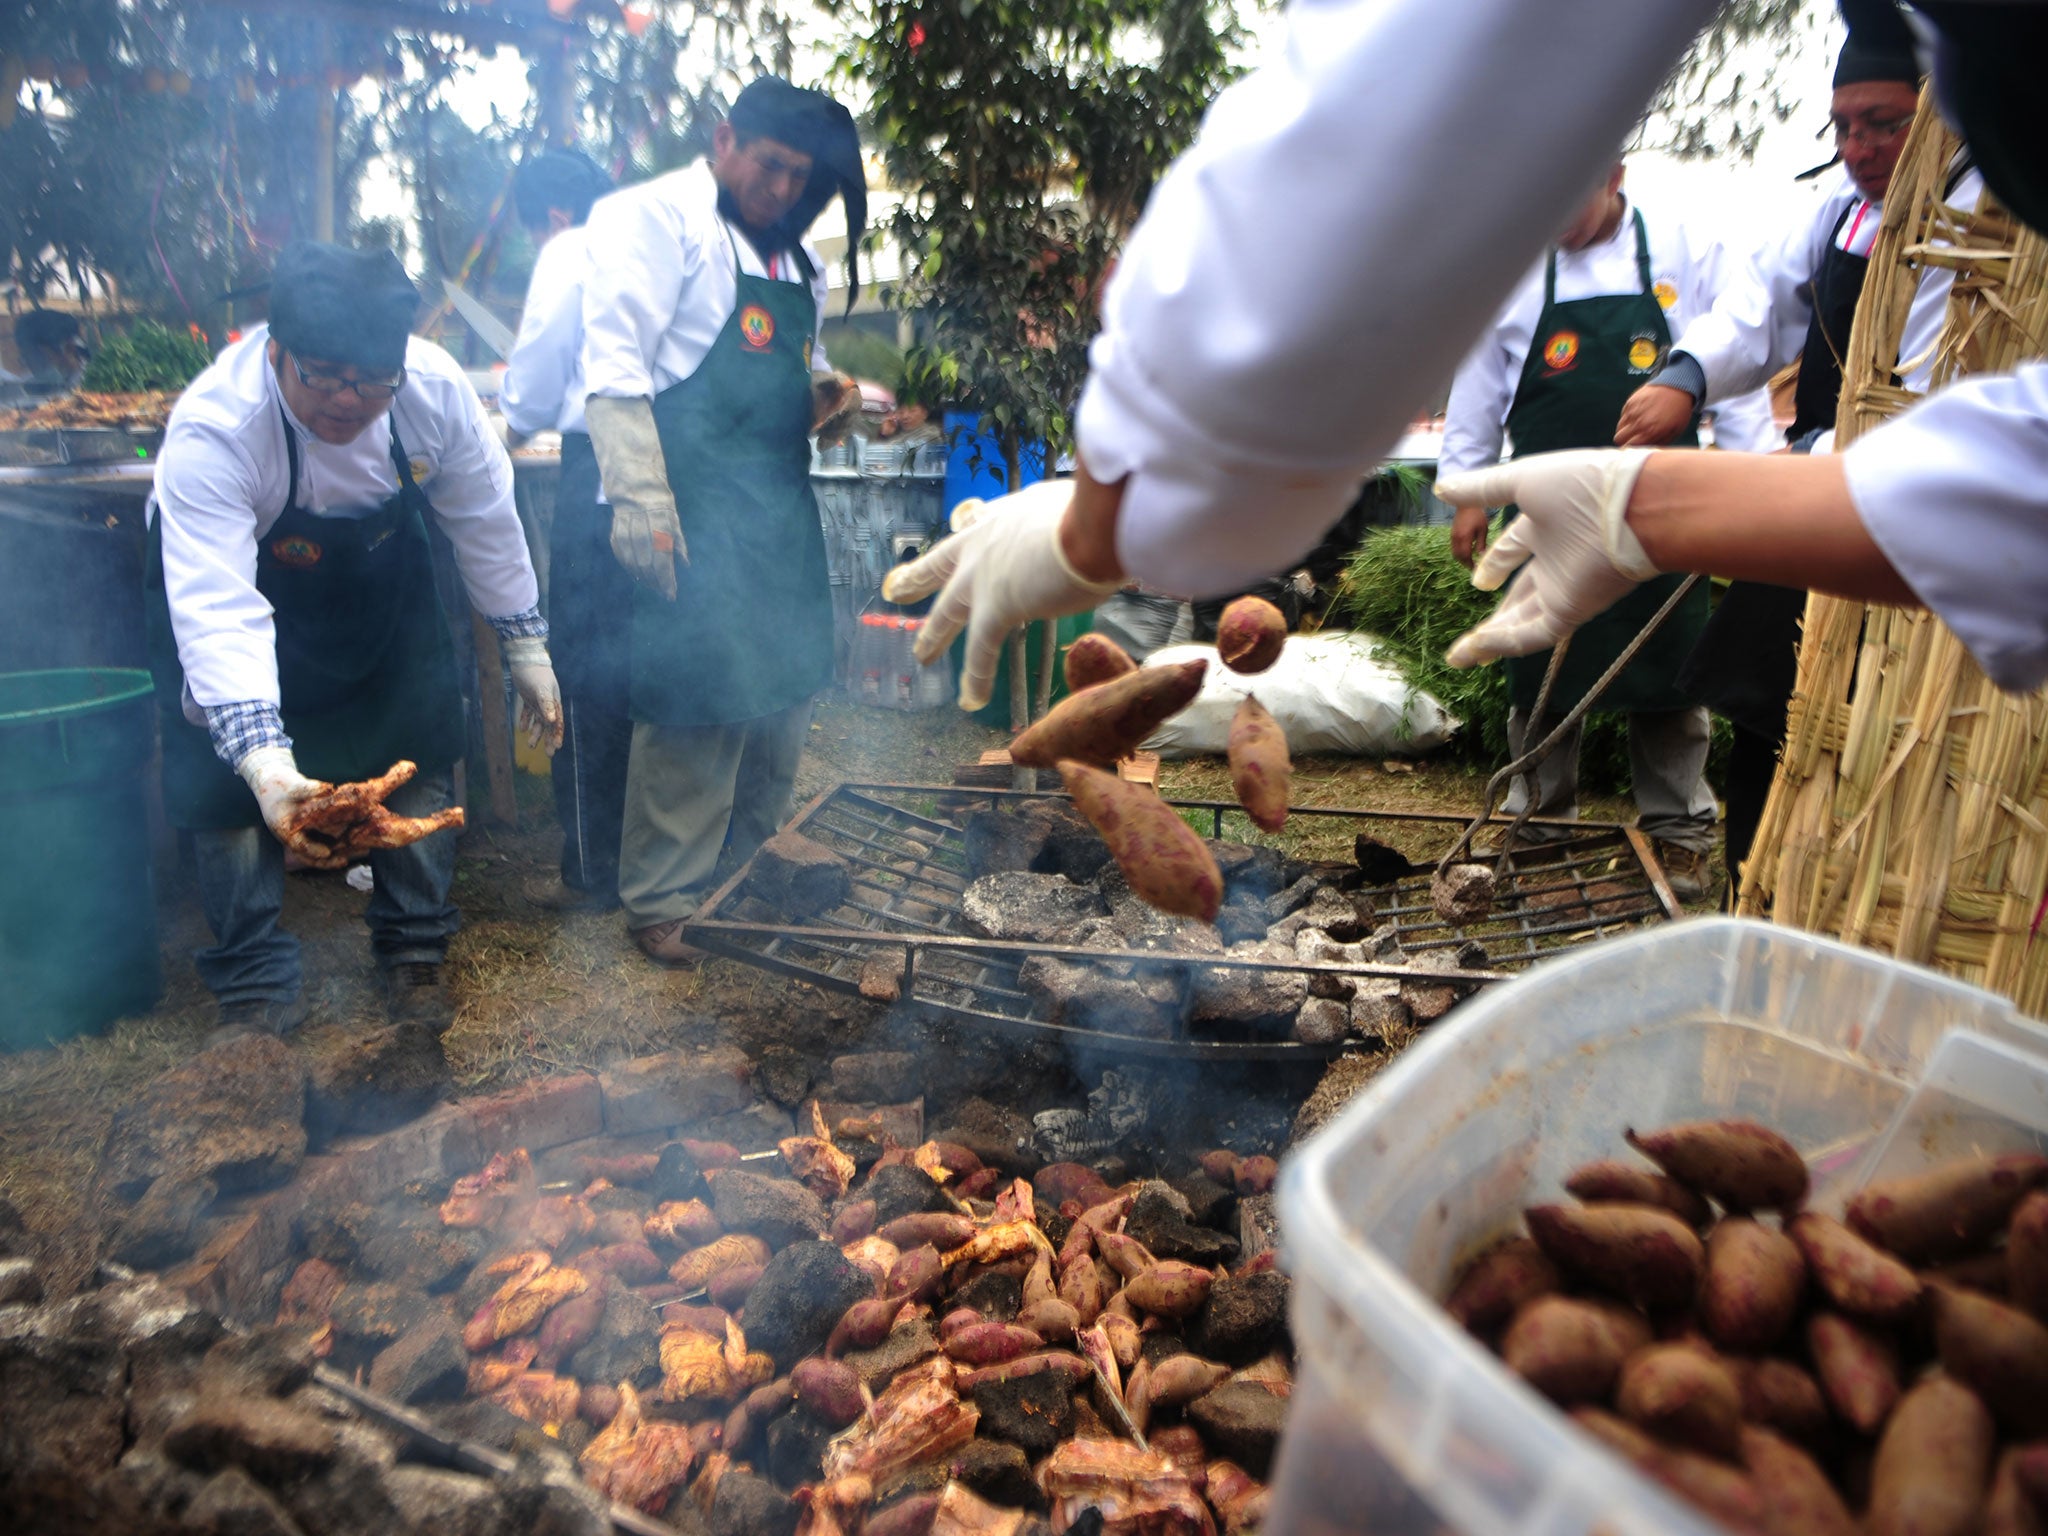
(1999, 1352)
(1052, 1320)
(1571, 1351)
(1933, 1463)
(1742, 1165)
(829, 1389)
(1682, 1396)
(941, 1229)
(1163, 858)
(1781, 1396)
(1255, 1174)
(1948, 1210)
(1609, 1179)
(1250, 635)
(696, 1267)
(1854, 1274)
(1094, 659)
(1499, 1282)
(986, 1343)
(1261, 772)
(1221, 1165)
(864, 1325)
(1101, 725)
(1169, 1288)
(917, 1275)
(2012, 1509)
(1646, 1255)
(1796, 1497)
(853, 1221)
(1858, 1370)
(1754, 1279)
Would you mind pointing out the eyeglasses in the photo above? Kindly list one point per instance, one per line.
(1870, 130)
(334, 383)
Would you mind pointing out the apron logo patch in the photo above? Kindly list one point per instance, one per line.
(296, 551)
(757, 327)
(1667, 294)
(1561, 352)
(1643, 353)
(421, 469)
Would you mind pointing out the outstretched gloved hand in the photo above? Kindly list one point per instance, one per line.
(329, 826)
(1002, 569)
(1571, 542)
(540, 696)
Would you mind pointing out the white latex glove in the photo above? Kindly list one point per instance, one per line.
(540, 696)
(647, 536)
(290, 802)
(1003, 569)
(1573, 534)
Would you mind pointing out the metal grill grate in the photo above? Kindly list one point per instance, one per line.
(907, 848)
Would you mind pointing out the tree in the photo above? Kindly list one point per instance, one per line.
(1731, 85)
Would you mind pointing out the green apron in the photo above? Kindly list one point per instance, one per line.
(750, 631)
(1586, 357)
(365, 665)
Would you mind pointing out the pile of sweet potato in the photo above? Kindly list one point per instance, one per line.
(1785, 1371)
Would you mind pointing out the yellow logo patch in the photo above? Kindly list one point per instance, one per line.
(757, 327)
(1643, 353)
(420, 468)
(1667, 294)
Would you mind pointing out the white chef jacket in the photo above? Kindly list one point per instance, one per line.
(1955, 492)
(221, 484)
(1318, 262)
(660, 285)
(1759, 325)
(543, 383)
(1688, 269)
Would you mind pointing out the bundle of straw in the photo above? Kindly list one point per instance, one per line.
(1910, 809)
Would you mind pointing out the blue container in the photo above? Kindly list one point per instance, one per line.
(974, 462)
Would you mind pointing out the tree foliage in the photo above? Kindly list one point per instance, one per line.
(1733, 83)
(1024, 137)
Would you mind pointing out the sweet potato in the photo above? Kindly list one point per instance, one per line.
(1571, 1351)
(570, 1326)
(1609, 1179)
(1221, 1165)
(2012, 1509)
(1255, 1174)
(1126, 1255)
(729, 1287)
(978, 1185)
(941, 1229)
(1999, 1352)
(1039, 1284)
(1261, 772)
(696, 1267)
(686, 1223)
(1796, 1497)
(1987, 1272)
(1754, 1278)
(1933, 1463)
(917, 1275)
(633, 1263)
(1857, 1276)
(1169, 1288)
(1094, 659)
(1060, 1361)
(864, 1325)
(1100, 726)
(598, 1405)
(1646, 1255)
(1948, 1210)
(1250, 635)
(1083, 1288)
(853, 1221)
(986, 1343)
(1122, 1333)
(1163, 858)
(1499, 1282)
(829, 1390)
(1052, 1320)
(711, 1155)
(1858, 1370)
(1715, 1486)
(1780, 1396)
(1682, 1396)
(1742, 1165)
(874, 1255)
(2026, 1255)
(912, 1515)
(1057, 1183)
(1178, 1380)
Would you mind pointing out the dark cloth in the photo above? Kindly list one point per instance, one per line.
(365, 666)
(1752, 765)
(1586, 357)
(1879, 45)
(1987, 77)
(588, 775)
(342, 306)
(813, 123)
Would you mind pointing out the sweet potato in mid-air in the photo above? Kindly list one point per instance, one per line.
(1933, 1464)
(1743, 1165)
(1947, 1210)
(1250, 635)
(1753, 1283)
(1096, 659)
(1104, 724)
(1260, 770)
(1163, 858)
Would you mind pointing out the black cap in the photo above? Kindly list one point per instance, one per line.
(1879, 45)
(558, 178)
(811, 121)
(342, 306)
(1987, 66)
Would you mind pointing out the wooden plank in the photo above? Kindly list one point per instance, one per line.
(490, 676)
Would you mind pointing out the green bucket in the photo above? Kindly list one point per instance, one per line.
(77, 911)
(997, 711)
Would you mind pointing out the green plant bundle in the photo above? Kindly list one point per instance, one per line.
(151, 356)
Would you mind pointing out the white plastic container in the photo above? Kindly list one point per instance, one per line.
(1400, 1421)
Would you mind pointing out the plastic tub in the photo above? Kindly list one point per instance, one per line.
(78, 941)
(1401, 1421)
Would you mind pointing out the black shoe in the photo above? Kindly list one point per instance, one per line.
(414, 993)
(258, 1016)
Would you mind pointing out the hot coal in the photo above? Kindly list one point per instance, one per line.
(797, 878)
(1039, 909)
(1046, 837)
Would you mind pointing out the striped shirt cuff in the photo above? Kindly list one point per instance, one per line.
(522, 626)
(239, 729)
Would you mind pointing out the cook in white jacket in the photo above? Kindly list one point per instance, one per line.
(293, 616)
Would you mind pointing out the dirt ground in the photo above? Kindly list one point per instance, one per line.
(539, 993)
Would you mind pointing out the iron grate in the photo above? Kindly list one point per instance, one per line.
(906, 845)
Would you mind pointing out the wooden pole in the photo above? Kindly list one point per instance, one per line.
(490, 676)
(323, 134)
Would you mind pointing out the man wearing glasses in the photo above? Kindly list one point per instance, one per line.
(1798, 302)
(296, 636)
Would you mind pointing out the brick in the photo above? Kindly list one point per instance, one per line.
(533, 1115)
(678, 1089)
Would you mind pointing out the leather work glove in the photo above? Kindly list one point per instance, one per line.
(1002, 569)
(540, 696)
(1572, 534)
(292, 805)
(647, 536)
(835, 405)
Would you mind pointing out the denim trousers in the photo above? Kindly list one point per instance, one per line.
(241, 891)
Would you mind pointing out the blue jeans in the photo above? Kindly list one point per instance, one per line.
(241, 890)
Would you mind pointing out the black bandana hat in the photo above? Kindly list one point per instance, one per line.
(341, 305)
(1988, 56)
(1879, 46)
(818, 126)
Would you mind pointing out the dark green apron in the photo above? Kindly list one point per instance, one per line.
(365, 666)
(750, 631)
(1586, 357)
